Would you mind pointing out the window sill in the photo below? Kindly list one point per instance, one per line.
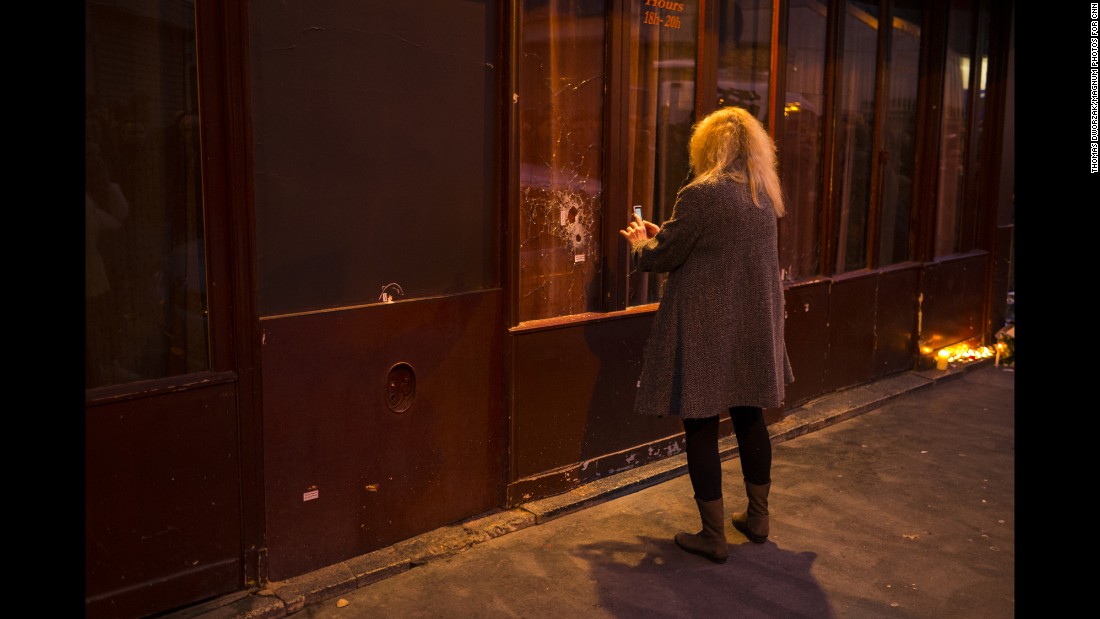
(573, 320)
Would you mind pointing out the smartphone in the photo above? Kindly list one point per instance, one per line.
(638, 211)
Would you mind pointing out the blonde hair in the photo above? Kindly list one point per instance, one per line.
(731, 142)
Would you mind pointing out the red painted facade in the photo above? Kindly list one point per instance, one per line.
(351, 151)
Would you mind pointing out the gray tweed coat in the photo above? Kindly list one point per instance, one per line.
(717, 337)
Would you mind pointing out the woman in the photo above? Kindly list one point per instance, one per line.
(717, 338)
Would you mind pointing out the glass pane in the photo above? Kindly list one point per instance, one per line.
(744, 55)
(375, 152)
(968, 229)
(799, 145)
(899, 133)
(145, 273)
(855, 122)
(662, 112)
(953, 134)
(561, 84)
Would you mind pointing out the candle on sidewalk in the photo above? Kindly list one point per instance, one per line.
(941, 360)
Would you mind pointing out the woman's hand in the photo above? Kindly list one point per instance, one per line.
(639, 230)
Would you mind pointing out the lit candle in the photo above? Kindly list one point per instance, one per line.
(941, 359)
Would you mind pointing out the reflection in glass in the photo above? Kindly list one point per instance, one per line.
(855, 123)
(744, 55)
(968, 229)
(953, 133)
(145, 281)
(561, 75)
(662, 112)
(799, 145)
(899, 131)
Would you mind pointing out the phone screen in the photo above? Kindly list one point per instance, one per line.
(638, 211)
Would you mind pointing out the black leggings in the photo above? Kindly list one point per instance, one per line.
(753, 444)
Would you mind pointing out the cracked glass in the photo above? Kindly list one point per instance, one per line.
(560, 103)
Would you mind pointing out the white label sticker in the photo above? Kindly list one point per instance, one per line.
(564, 217)
(578, 258)
(309, 496)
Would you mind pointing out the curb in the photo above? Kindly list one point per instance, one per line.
(283, 598)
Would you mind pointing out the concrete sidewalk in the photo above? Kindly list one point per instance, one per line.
(905, 510)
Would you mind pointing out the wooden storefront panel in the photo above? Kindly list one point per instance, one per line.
(896, 320)
(953, 300)
(162, 523)
(357, 456)
(572, 407)
(807, 333)
(849, 360)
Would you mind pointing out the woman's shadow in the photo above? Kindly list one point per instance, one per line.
(651, 577)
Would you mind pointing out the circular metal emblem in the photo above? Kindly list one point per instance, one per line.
(400, 387)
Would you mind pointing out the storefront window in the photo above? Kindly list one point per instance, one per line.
(661, 115)
(968, 228)
(899, 132)
(855, 123)
(561, 94)
(951, 192)
(800, 139)
(145, 268)
(744, 55)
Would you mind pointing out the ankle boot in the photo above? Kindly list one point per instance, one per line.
(711, 541)
(753, 522)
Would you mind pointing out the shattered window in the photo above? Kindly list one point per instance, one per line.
(561, 84)
(662, 112)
